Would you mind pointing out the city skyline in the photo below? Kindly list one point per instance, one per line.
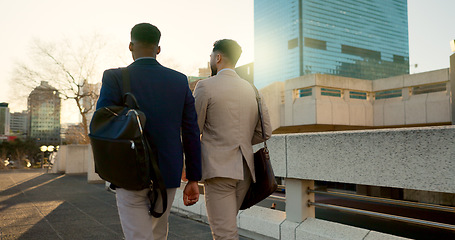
(188, 31)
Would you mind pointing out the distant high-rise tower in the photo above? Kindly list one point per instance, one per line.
(19, 124)
(4, 119)
(44, 109)
(366, 39)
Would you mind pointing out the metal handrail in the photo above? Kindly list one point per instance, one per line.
(385, 216)
(277, 197)
(385, 200)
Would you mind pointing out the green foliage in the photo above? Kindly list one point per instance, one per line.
(19, 150)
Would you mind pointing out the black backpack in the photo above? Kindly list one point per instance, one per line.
(121, 151)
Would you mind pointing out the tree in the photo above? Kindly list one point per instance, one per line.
(71, 66)
(18, 151)
(74, 67)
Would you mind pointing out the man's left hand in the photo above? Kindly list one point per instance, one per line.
(191, 193)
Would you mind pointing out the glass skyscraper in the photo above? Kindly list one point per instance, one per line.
(366, 39)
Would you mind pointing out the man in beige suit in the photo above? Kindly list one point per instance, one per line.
(229, 123)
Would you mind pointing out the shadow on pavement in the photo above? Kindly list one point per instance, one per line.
(34, 205)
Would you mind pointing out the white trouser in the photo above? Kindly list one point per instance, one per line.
(136, 222)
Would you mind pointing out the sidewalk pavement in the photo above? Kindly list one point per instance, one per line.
(35, 205)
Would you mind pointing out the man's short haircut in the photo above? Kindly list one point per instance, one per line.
(229, 48)
(145, 33)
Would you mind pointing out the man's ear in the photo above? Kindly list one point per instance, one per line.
(131, 46)
(218, 57)
(158, 50)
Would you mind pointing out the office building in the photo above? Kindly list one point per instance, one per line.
(363, 39)
(19, 124)
(246, 72)
(44, 109)
(4, 119)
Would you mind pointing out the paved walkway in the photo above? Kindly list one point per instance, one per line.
(35, 205)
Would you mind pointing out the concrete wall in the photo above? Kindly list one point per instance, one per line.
(60, 161)
(273, 97)
(76, 159)
(92, 177)
(413, 109)
(411, 158)
(318, 109)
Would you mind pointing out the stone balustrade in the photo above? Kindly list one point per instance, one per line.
(411, 158)
(417, 159)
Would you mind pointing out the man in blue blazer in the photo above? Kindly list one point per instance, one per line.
(165, 98)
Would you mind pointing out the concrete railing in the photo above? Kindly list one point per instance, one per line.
(421, 159)
(414, 158)
(76, 159)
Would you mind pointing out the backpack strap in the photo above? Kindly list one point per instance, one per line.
(156, 186)
(126, 81)
(128, 97)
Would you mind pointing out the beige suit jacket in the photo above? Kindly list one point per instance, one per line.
(229, 123)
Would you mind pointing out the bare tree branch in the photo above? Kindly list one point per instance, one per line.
(71, 67)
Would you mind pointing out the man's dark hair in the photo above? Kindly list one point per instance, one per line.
(229, 48)
(146, 33)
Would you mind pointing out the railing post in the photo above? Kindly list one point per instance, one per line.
(452, 86)
(297, 208)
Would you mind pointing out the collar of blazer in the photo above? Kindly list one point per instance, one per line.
(145, 61)
(227, 71)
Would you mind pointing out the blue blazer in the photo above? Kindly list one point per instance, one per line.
(165, 98)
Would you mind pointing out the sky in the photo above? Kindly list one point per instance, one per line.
(188, 30)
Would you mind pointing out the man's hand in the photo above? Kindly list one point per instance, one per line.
(191, 193)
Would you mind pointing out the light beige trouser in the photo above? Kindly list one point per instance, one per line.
(223, 198)
(136, 222)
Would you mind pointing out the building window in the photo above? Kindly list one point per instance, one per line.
(398, 59)
(304, 92)
(330, 92)
(293, 43)
(388, 94)
(314, 43)
(358, 95)
(440, 87)
(361, 52)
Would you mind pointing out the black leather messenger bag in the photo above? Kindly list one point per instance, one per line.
(265, 183)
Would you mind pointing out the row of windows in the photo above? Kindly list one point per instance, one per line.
(394, 93)
(361, 52)
(439, 87)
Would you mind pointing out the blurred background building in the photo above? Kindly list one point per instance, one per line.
(19, 124)
(4, 119)
(44, 108)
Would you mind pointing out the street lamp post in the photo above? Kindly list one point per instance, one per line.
(42, 149)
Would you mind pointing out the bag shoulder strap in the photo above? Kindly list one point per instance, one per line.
(259, 101)
(128, 98)
(126, 81)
